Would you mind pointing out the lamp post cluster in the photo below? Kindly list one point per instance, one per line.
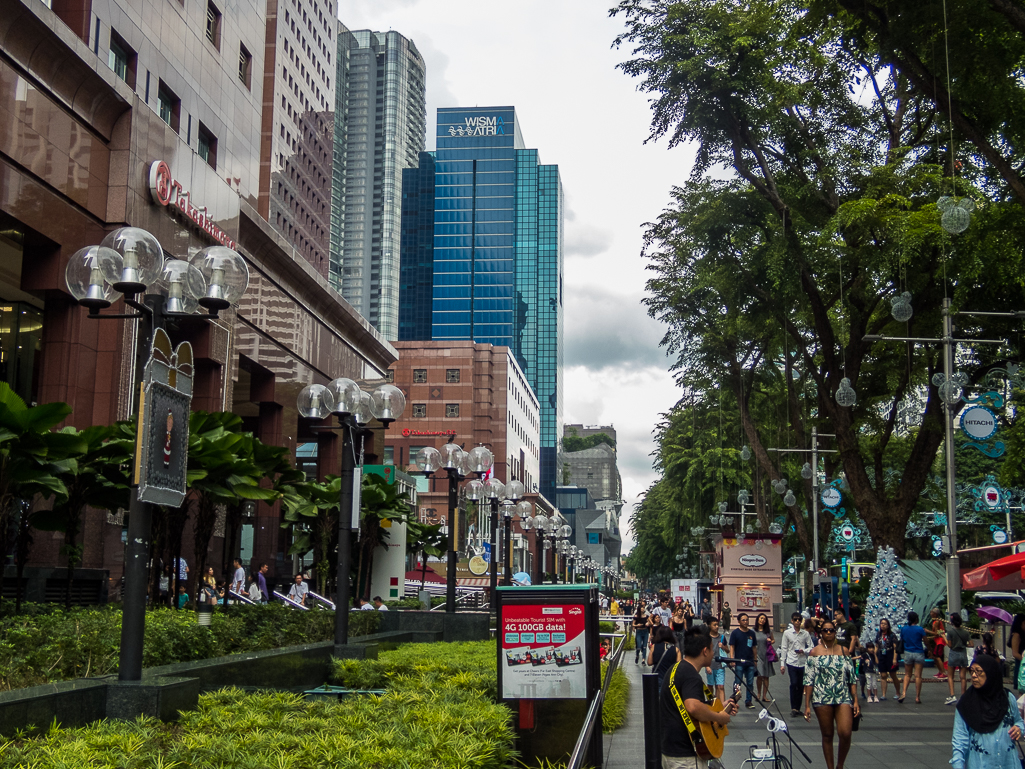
(354, 409)
(554, 539)
(130, 263)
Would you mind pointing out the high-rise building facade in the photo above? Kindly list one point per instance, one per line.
(416, 275)
(496, 257)
(297, 131)
(381, 124)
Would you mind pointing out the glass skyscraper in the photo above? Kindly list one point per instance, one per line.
(380, 130)
(496, 256)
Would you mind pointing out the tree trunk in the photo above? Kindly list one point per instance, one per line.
(70, 535)
(22, 547)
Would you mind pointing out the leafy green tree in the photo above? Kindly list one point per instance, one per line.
(427, 540)
(310, 511)
(811, 206)
(381, 504)
(99, 478)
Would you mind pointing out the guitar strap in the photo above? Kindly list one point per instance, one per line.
(692, 728)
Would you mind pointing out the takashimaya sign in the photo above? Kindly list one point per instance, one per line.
(168, 191)
(406, 432)
(479, 126)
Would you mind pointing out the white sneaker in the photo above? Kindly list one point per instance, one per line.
(950, 701)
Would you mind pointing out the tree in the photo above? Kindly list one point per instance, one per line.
(769, 279)
(381, 504)
(98, 478)
(426, 539)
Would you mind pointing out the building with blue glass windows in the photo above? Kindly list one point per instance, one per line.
(494, 257)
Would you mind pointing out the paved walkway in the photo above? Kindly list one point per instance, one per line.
(907, 736)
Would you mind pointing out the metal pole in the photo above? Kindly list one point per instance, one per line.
(815, 498)
(953, 562)
(507, 578)
(133, 612)
(343, 566)
(453, 533)
(494, 550)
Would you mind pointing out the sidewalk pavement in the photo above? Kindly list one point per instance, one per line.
(907, 736)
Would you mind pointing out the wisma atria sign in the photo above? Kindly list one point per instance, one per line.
(479, 126)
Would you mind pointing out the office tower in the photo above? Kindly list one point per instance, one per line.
(416, 282)
(297, 136)
(380, 130)
(496, 258)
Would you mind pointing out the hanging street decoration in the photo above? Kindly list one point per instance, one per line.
(950, 389)
(999, 535)
(956, 214)
(831, 496)
(900, 307)
(847, 532)
(845, 395)
(979, 423)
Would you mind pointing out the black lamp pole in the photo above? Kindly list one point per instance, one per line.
(494, 551)
(453, 533)
(343, 573)
(507, 579)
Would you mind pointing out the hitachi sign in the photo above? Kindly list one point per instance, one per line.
(480, 126)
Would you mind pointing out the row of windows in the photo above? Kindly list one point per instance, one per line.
(420, 375)
(420, 410)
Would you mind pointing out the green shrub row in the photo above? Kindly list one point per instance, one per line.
(446, 727)
(58, 645)
(617, 696)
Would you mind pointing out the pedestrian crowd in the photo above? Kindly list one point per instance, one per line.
(827, 660)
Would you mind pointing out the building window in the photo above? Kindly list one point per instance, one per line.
(245, 66)
(419, 375)
(207, 146)
(389, 455)
(452, 375)
(168, 106)
(451, 409)
(122, 58)
(213, 25)
(419, 409)
(389, 375)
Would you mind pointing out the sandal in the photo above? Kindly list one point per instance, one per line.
(918, 702)
(900, 700)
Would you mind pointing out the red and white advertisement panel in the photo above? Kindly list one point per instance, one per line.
(543, 652)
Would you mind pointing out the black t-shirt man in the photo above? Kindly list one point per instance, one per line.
(676, 740)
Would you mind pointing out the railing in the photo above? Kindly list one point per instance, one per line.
(329, 604)
(288, 601)
(232, 595)
(468, 593)
(576, 758)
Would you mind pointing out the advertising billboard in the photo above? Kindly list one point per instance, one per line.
(543, 648)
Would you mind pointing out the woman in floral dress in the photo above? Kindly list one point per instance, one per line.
(830, 685)
(987, 723)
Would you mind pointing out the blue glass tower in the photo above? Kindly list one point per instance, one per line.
(416, 271)
(497, 254)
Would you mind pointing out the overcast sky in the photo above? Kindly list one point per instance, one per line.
(554, 62)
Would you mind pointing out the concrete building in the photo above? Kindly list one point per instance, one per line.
(595, 529)
(595, 469)
(297, 125)
(380, 130)
(96, 100)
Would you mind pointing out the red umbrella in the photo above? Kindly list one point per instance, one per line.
(1007, 573)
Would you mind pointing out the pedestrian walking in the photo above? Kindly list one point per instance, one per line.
(987, 723)
(1017, 645)
(830, 687)
(765, 667)
(715, 671)
(663, 652)
(886, 654)
(868, 667)
(744, 647)
(688, 617)
(793, 654)
(725, 616)
(912, 636)
(936, 641)
(959, 641)
(987, 648)
(640, 627)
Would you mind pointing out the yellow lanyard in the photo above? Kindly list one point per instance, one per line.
(687, 720)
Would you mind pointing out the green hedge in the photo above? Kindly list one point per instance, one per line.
(444, 728)
(617, 696)
(57, 645)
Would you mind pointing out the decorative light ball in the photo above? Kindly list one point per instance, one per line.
(789, 499)
(226, 275)
(775, 528)
(315, 401)
(900, 307)
(742, 496)
(182, 284)
(494, 489)
(956, 214)
(524, 508)
(722, 507)
(347, 395)
(85, 279)
(387, 403)
(540, 521)
(481, 459)
(845, 395)
(474, 490)
(365, 412)
(527, 523)
(451, 456)
(428, 459)
(745, 453)
(141, 260)
(513, 490)
(806, 471)
(548, 544)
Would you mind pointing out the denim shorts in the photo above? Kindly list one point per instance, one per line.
(914, 658)
(717, 677)
(957, 659)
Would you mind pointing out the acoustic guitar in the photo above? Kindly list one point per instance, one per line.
(713, 736)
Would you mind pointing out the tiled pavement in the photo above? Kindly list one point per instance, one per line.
(907, 736)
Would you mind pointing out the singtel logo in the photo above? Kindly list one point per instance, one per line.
(752, 560)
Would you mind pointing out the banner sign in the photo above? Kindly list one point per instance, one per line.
(543, 650)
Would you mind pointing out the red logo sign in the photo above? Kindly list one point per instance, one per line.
(445, 433)
(167, 191)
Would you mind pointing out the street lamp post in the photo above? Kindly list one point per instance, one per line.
(129, 261)
(494, 490)
(513, 491)
(354, 409)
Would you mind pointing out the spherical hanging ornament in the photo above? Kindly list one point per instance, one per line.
(806, 471)
(722, 507)
(900, 307)
(956, 214)
(745, 453)
(845, 395)
(789, 499)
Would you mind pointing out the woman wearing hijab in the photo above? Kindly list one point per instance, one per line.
(987, 723)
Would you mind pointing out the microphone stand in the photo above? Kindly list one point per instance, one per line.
(786, 727)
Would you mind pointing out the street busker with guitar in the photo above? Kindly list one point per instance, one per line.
(830, 685)
(693, 725)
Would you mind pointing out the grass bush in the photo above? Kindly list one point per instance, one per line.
(58, 645)
(443, 728)
(613, 712)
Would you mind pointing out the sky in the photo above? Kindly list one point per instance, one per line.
(554, 62)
